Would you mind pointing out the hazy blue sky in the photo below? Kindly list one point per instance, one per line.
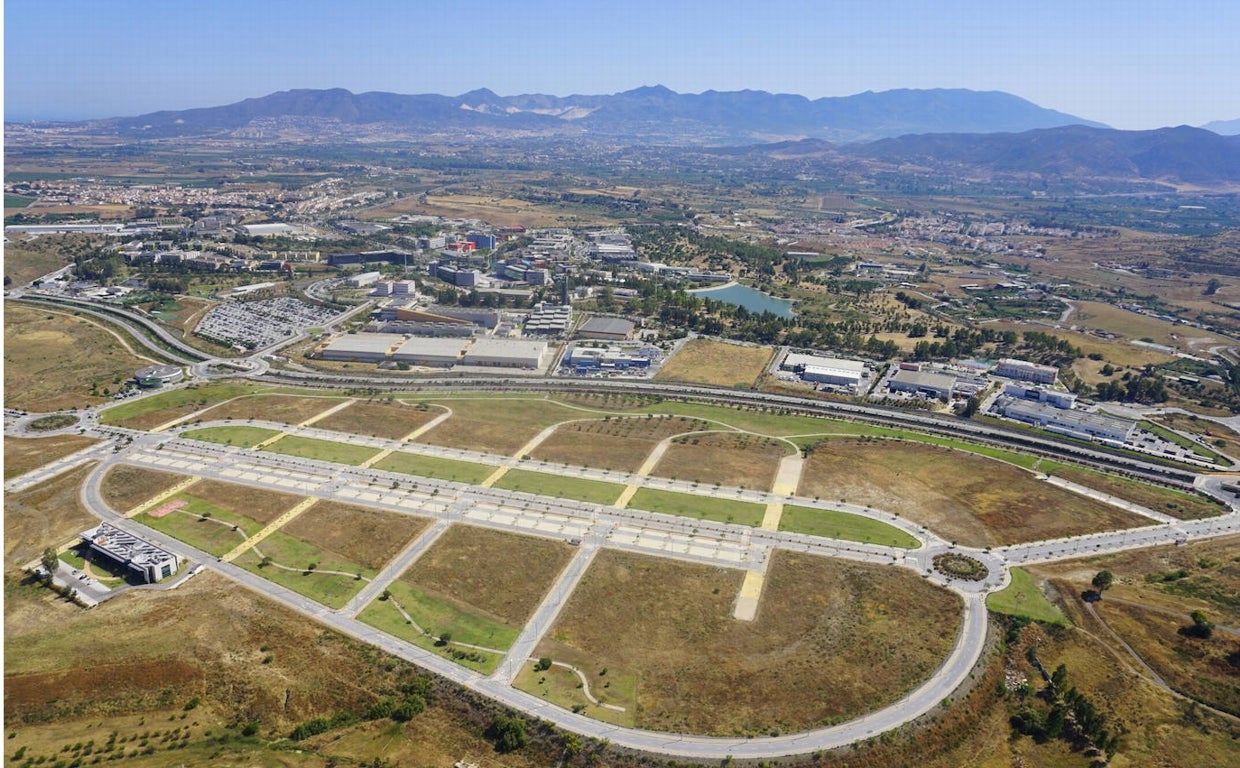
(1129, 63)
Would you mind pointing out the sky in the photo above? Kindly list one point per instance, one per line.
(1133, 64)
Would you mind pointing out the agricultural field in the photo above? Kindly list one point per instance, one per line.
(842, 525)
(378, 419)
(23, 454)
(156, 410)
(617, 443)
(49, 514)
(280, 408)
(124, 487)
(862, 636)
(1185, 506)
(545, 484)
(55, 361)
(742, 461)
(704, 361)
(322, 450)
(961, 497)
(496, 425)
(702, 507)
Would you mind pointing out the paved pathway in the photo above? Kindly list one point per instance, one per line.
(57, 467)
(166, 494)
(395, 568)
(267, 530)
(652, 460)
(522, 452)
(787, 478)
(414, 435)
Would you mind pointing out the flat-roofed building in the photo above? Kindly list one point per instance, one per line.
(158, 375)
(1091, 426)
(1022, 370)
(1065, 400)
(506, 353)
(363, 280)
(360, 347)
(929, 383)
(608, 328)
(825, 370)
(148, 561)
(429, 351)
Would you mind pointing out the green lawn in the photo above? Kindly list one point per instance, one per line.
(438, 615)
(1023, 598)
(322, 450)
(246, 437)
(701, 507)
(546, 484)
(17, 201)
(214, 535)
(332, 590)
(842, 525)
(434, 467)
(176, 398)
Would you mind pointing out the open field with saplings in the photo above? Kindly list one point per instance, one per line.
(742, 461)
(23, 454)
(55, 361)
(322, 575)
(1185, 506)
(546, 484)
(392, 420)
(1024, 597)
(609, 402)
(702, 507)
(280, 408)
(47, 515)
(155, 410)
(370, 537)
(563, 687)
(975, 501)
(322, 450)
(704, 361)
(215, 516)
(842, 525)
(434, 467)
(496, 425)
(831, 641)
(240, 435)
(616, 443)
(124, 487)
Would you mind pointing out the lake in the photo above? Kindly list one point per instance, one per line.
(750, 298)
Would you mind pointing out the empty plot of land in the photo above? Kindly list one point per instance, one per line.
(370, 537)
(46, 515)
(390, 420)
(715, 362)
(1171, 502)
(282, 409)
(961, 497)
(744, 461)
(701, 507)
(240, 435)
(320, 574)
(322, 450)
(22, 454)
(499, 425)
(217, 516)
(546, 484)
(434, 467)
(124, 487)
(842, 525)
(831, 640)
(155, 410)
(256, 504)
(620, 444)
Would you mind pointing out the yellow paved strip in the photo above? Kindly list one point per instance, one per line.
(273, 525)
(328, 412)
(270, 440)
(747, 601)
(524, 450)
(174, 490)
(644, 471)
(414, 435)
(770, 519)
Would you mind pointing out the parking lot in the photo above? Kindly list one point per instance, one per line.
(258, 324)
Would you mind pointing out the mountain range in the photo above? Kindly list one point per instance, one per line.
(651, 113)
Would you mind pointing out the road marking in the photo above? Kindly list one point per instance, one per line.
(302, 506)
(174, 490)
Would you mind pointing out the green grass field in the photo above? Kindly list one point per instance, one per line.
(214, 535)
(185, 399)
(701, 507)
(842, 525)
(330, 589)
(246, 437)
(1023, 598)
(434, 467)
(17, 201)
(322, 450)
(545, 484)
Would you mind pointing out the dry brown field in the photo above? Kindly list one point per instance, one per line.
(831, 640)
(46, 515)
(282, 409)
(962, 497)
(51, 361)
(743, 461)
(620, 444)
(705, 361)
(255, 503)
(501, 575)
(496, 425)
(23, 454)
(1165, 500)
(391, 420)
(497, 211)
(369, 537)
(124, 486)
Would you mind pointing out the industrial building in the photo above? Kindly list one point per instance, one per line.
(360, 347)
(1022, 370)
(825, 370)
(158, 375)
(603, 359)
(435, 321)
(506, 353)
(1090, 426)
(363, 280)
(926, 383)
(147, 560)
(607, 328)
(1065, 400)
(549, 318)
(438, 353)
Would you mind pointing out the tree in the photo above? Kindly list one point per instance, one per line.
(509, 733)
(50, 561)
(1201, 627)
(1103, 581)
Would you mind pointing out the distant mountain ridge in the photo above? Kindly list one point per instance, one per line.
(1224, 127)
(649, 112)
